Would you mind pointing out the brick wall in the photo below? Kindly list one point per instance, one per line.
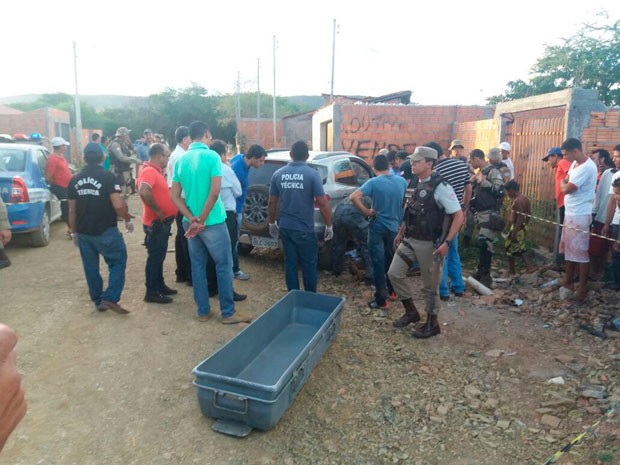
(603, 131)
(366, 129)
(247, 132)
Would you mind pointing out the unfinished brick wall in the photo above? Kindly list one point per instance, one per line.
(603, 131)
(366, 129)
(247, 133)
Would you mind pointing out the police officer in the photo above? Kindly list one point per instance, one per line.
(488, 187)
(432, 219)
(122, 158)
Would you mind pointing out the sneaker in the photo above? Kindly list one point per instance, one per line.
(165, 290)
(445, 298)
(237, 317)
(393, 297)
(203, 318)
(241, 276)
(239, 297)
(375, 306)
(458, 294)
(112, 306)
(158, 299)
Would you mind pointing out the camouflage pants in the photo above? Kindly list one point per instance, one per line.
(485, 234)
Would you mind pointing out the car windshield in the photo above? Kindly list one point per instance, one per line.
(263, 174)
(12, 160)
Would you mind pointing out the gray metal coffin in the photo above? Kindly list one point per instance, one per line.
(255, 377)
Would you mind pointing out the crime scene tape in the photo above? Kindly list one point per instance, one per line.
(577, 440)
(589, 233)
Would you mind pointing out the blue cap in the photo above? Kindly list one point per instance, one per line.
(93, 147)
(552, 152)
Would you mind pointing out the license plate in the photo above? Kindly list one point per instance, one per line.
(270, 242)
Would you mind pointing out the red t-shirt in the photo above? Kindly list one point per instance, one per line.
(57, 170)
(153, 176)
(561, 171)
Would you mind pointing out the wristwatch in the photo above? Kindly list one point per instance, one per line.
(448, 242)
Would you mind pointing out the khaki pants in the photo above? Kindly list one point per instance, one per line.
(482, 219)
(422, 252)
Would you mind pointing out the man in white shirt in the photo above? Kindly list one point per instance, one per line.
(504, 147)
(579, 188)
(181, 252)
(612, 221)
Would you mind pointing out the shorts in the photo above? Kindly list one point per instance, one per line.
(598, 245)
(574, 244)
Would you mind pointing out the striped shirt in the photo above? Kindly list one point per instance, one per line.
(456, 173)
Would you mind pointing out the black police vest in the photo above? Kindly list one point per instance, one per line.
(424, 218)
(120, 165)
(489, 198)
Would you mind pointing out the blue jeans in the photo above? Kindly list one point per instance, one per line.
(300, 248)
(156, 246)
(452, 268)
(213, 239)
(111, 246)
(381, 248)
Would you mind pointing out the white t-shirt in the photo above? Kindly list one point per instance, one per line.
(174, 157)
(231, 188)
(584, 177)
(511, 167)
(616, 219)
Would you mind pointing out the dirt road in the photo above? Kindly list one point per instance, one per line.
(109, 389)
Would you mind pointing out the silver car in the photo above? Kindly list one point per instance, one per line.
(342, 173)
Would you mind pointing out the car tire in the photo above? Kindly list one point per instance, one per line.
(255, 216)
(244, 249)
(41, 237)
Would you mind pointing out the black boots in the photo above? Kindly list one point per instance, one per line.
(411, 315)
(484, 268)
(428, 329)
(4, 260)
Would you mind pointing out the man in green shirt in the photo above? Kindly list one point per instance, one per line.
(198, 175)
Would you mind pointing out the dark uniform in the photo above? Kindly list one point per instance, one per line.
(350, 223)
(122, 157)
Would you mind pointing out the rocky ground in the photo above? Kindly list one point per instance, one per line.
(503, 384)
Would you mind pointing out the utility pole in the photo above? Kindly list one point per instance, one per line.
(78, 112)
(331, 94)
(258, 101)
(275, 131)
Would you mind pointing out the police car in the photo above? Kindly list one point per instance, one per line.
(30, 204)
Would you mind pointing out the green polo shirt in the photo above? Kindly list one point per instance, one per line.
(194, 171)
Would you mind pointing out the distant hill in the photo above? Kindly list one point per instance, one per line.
(100, 102)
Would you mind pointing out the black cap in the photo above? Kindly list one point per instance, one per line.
(93, 147)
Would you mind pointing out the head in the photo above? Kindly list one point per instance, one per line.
(59, 145)
(616, 188)
(299, 151)
(554, 155)
(512, 189)
(219, 146)
(495, 156)
(381, 164)
(159, 154)
(122, 133)
(437, 147)
(255, 156)
(616, 156)
(423, 161)
(401, 156)
(456, 149)
(199, 132)
(158, 138)
(93, 154)
(148, 136)
(504, 148)
(602, 159)
(105, 140)
(476, 159)
(94, 137)
(572, 149)
(391, 156)
(181, 135)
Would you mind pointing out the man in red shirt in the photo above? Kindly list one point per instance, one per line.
(157, 216)
(58, 174)
(560, 166)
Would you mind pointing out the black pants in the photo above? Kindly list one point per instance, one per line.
(156, 246)
(61, 193)
(184, 266)
(231, 225)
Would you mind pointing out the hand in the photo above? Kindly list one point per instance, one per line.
(5, 236)
(605, 230)
(397, 240)
(76, 239)
(329, 233)
(12, 401)
(442, 250)
(161, 216)
(371, 213)
(274, 230)
(129, 226)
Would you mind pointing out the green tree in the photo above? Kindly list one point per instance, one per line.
(589, 59)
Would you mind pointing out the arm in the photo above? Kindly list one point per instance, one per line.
(115, 149)
(175, 193)
(146, 194)
(611, 209)
(356, 200)
(236, 186)
(12, 401)
(467, 196)
(72, 226)
(272, 208)
(214, 193)
(326, 212)
(457, 221)
(120, 207)
(5, 226)
(49, 171)
(567, 187)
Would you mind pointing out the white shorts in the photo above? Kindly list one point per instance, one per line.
(575, 244)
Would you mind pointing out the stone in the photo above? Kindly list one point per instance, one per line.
(565, 358)
(503, 424)
(543, 410)
(443, 410)
(491, 403)
(494, 353)
(550, 420)
(472, 391)
(562, 402)
(529, 279)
